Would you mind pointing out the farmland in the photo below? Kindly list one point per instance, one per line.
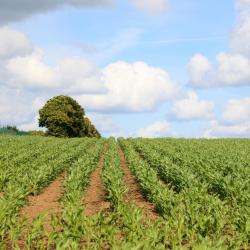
(124, 194)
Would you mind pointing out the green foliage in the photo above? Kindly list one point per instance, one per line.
(63, 117)
(72, 219)
(29, 164)
(90, 130)
(199, 187)
(177, 176)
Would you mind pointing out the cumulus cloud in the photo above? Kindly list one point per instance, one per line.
(135, 87)
(16, 10)
(199, 69)
(152, 7)
(237, 111)
(229, 70)
(13, 43)
(192, 108)
(234, 122)
(70, 75)
(240, 39)
(157, 129)
(218, 129)
(119, 87)
(30, 72)
(16, 107)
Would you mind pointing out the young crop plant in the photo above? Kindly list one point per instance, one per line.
(196, 214)
(137, 232)
(32, 177)
(200, 189)
(72, 220)
(112, 175)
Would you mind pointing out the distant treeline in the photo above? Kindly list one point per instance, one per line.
(12, 130)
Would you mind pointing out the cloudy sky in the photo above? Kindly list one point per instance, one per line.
(146, 68)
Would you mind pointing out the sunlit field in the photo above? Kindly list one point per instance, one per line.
(124, 194)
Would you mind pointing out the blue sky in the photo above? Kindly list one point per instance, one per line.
(139, 67)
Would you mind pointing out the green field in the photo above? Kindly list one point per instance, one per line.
(200, 191)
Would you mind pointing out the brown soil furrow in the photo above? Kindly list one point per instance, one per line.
(47, 201)
(134, 194)
(94, 197)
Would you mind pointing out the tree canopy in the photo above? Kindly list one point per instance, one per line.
(63, 117)
(90, 129)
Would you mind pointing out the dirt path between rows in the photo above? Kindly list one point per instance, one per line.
(94, 198)
(134, 194)
(47, 201)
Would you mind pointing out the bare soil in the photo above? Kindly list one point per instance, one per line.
(94, 197)
(47, 201)
(134, 194)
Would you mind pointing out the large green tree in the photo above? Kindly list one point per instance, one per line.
(90, 130)
(63, 117)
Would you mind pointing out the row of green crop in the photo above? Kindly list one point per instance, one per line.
(30, 157)
(182, 179)
(31, 177)
(191, 218)
(223, 164)
(132, 227)
(69, 227)
(197, 216)
(232, 185)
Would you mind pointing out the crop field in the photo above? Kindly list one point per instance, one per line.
(124, 194)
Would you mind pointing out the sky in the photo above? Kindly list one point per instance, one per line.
(140, 68)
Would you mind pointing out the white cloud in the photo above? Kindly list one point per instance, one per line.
(240, 39)
(71, 75)
(77, 75)
(157, 129)
(15, 106)
(229, 70)
(199, 69)
(237, 111)
(234, 122)
(152, 7)
(16, 10)
(30, 72)
(135, 87)
(119, 87)
(191, 108)
(224, 130)
(13, 43)
(233, 69)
